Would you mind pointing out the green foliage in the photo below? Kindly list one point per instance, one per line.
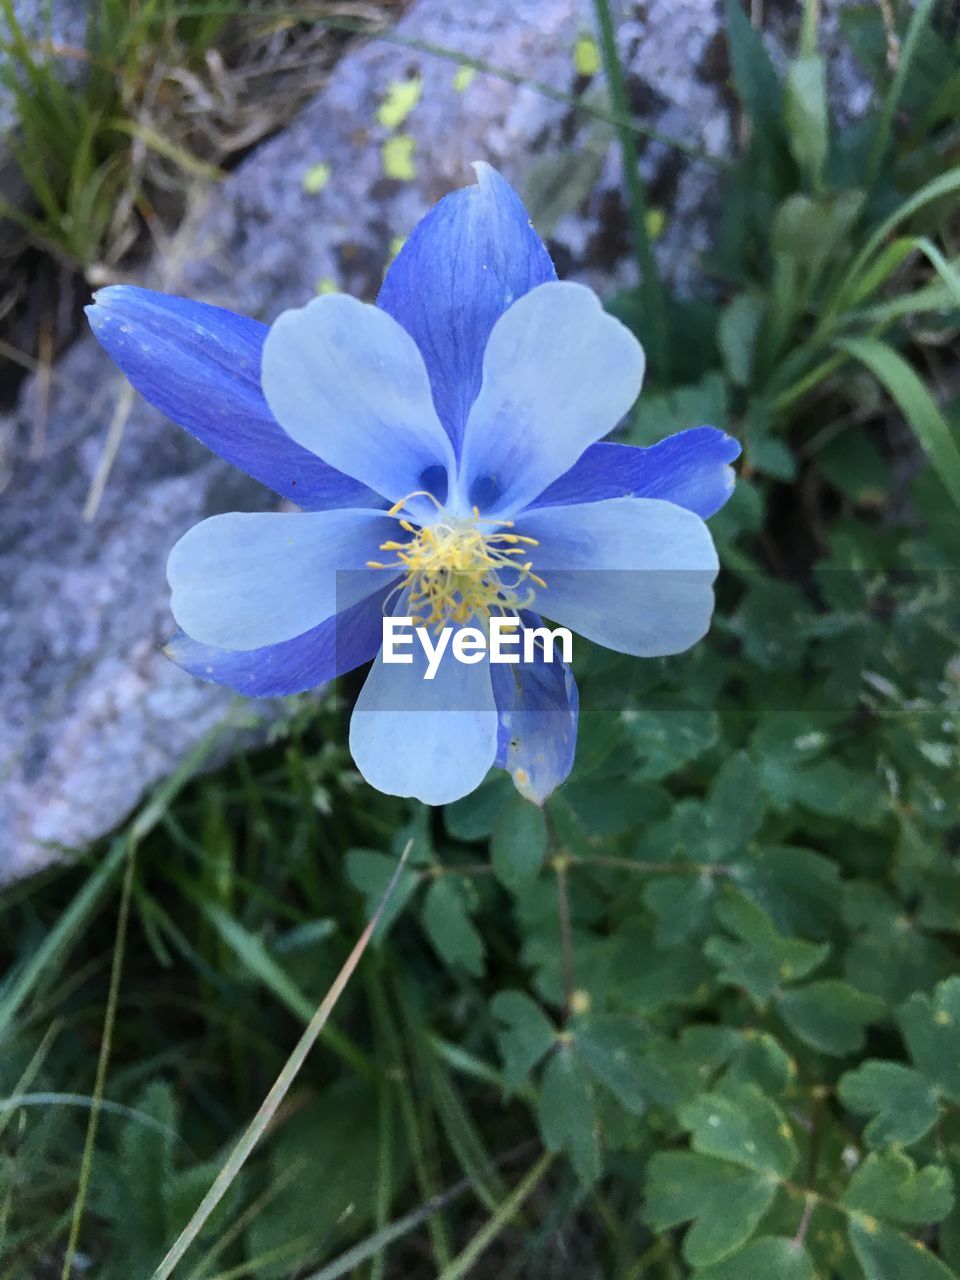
(699, 1016)
(81, 139)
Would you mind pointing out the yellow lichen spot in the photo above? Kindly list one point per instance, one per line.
(586, 56)
(919, 1246)
(316, 178)
(942, 1018)
(326, 285)
(786, 971)
(791, 1067)
(656, 222)
(580, 1002)
(397, 157)
(784, 1131)
(462, 79)
(402, 97)
(396, 244)
(869, 1224)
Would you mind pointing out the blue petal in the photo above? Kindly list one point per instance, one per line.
(242, 581)
(539, 707)
(558, 373)
(691, 469)
(472, 256)
(200, 365)
(633, 574)
(348, 383)
(434, 739)
(341, 643)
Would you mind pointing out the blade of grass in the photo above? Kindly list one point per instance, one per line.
(915, 402)
(258, 1125)
(462, 1264)
(943, 185)
(251, 952)
(881, 139)
(103, 1060)
(651, 288)
(58, 940)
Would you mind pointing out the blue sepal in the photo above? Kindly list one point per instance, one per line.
(200, 365)
(464, 264)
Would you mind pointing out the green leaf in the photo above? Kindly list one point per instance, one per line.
(371, 872)
(475, 816)
(524, 1036)
(447, 922)
(766, 1258)
(680, 904)
(931, 1029)
(735, 807)
(724, 1202)
(902, 1103)
(566, 1114)
(915, 403)
(744, 1127)
(888, 1185)
(754, 75)
(336, 1129)
(805, 116)
(666, 740)
(612, 1050)
(761, 959)
(737, 334)
(885, 1254)
(519, 843)
(830, 1015)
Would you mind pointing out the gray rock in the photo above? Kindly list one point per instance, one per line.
(91, 714)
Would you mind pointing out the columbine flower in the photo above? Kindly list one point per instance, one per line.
(447, 436)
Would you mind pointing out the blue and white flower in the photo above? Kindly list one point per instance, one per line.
(443, 446)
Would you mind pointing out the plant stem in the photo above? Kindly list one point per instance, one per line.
(462, 1264)
(566, 933)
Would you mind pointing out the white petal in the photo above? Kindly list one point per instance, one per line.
(240, 581)
(348, 383)
(558, 374)
(633, 574)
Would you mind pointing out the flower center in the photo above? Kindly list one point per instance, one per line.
(460, 569)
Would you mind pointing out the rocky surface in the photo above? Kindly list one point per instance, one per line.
(91, 714)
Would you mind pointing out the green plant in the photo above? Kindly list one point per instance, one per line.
(699, 1018)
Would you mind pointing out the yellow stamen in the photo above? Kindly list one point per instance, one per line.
(455, 571)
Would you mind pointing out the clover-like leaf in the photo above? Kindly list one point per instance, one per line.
(931, 1028)
(744, 1127)
(519, 842)
(885, 1254)
(566, 1113)
(830, 1015)
(766, 1258)
(903, 1104)
(888, 1185)
(612, 1050)
(524, 1036)
(761, 959)
(449, 927)
(724, 1201)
